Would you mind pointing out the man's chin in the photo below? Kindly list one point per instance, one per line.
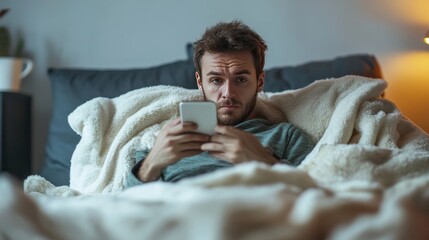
(229, 120)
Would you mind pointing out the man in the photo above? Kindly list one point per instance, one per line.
(229, 61)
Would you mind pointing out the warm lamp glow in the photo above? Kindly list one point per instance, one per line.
(408, 74)
(415, 12)
(426, 39)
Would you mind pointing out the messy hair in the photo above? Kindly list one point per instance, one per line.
(231, 37)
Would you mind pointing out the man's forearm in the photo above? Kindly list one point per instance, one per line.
(270, 158)
(149, 172)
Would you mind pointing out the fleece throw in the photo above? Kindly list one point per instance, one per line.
(367, 177)
(343, 115)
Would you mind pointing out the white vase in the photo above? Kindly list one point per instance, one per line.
(12, 71)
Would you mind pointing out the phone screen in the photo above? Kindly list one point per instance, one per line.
(204, 114)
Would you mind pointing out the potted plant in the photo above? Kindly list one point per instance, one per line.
(12, 67)
(5, 40)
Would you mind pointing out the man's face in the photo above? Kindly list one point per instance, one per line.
(229, 80)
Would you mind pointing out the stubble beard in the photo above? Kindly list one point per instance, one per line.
(229, 119)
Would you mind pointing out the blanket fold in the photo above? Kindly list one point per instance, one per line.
(250, 201)
(366, 178)
(334, 112)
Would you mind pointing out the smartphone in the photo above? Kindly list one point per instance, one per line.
(204, 114)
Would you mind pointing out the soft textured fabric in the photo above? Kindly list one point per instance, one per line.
(333, 111)
(288, 144)
(73, 87)
(367, 178)
(249, 201)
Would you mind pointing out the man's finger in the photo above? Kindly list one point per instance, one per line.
(175, 121)
(190, 137)
(182, 128)
(227, 130)
(219, 155)
(221, 138)
(190, 146)
(213, 147)
(188, 153)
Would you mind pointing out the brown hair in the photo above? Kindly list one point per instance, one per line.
(229, 37)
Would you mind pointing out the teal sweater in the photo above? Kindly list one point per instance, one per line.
(288, 143)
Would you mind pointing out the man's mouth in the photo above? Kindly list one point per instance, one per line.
(229, 107)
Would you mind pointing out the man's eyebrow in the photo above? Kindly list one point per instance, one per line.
(241, 72)
(213, 73)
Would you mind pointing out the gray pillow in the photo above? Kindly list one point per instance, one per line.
(294, 77)
(73, 87)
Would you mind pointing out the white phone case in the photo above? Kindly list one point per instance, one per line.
(202, 113)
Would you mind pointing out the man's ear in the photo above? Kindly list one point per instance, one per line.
(199, 81)
(261, 80)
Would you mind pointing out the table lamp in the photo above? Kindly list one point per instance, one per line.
(426, 39)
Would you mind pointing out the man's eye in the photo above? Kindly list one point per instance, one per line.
(215, 80)
(241, 80)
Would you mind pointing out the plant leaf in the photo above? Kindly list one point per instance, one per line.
(3, 12)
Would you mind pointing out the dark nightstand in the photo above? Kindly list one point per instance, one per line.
(15, 138)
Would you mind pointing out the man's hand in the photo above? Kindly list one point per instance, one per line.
(237, 146)
(174, 142)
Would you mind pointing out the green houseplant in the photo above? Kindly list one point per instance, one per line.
(5, 42)
(13, 67)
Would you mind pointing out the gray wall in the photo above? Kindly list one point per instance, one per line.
(131, 33)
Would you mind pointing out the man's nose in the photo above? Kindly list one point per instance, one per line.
(228, 90)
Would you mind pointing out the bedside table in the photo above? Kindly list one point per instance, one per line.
(15, 137)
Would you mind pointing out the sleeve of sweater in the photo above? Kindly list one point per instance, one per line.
(299, 145)
(131, 178)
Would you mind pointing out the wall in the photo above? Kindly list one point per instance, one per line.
(132, 33)
(406, 66)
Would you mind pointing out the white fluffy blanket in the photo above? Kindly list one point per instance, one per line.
(366, 178)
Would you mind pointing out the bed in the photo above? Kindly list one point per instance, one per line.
(367, 177)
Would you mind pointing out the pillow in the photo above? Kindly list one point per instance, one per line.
(294, 77)
(73, 87)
